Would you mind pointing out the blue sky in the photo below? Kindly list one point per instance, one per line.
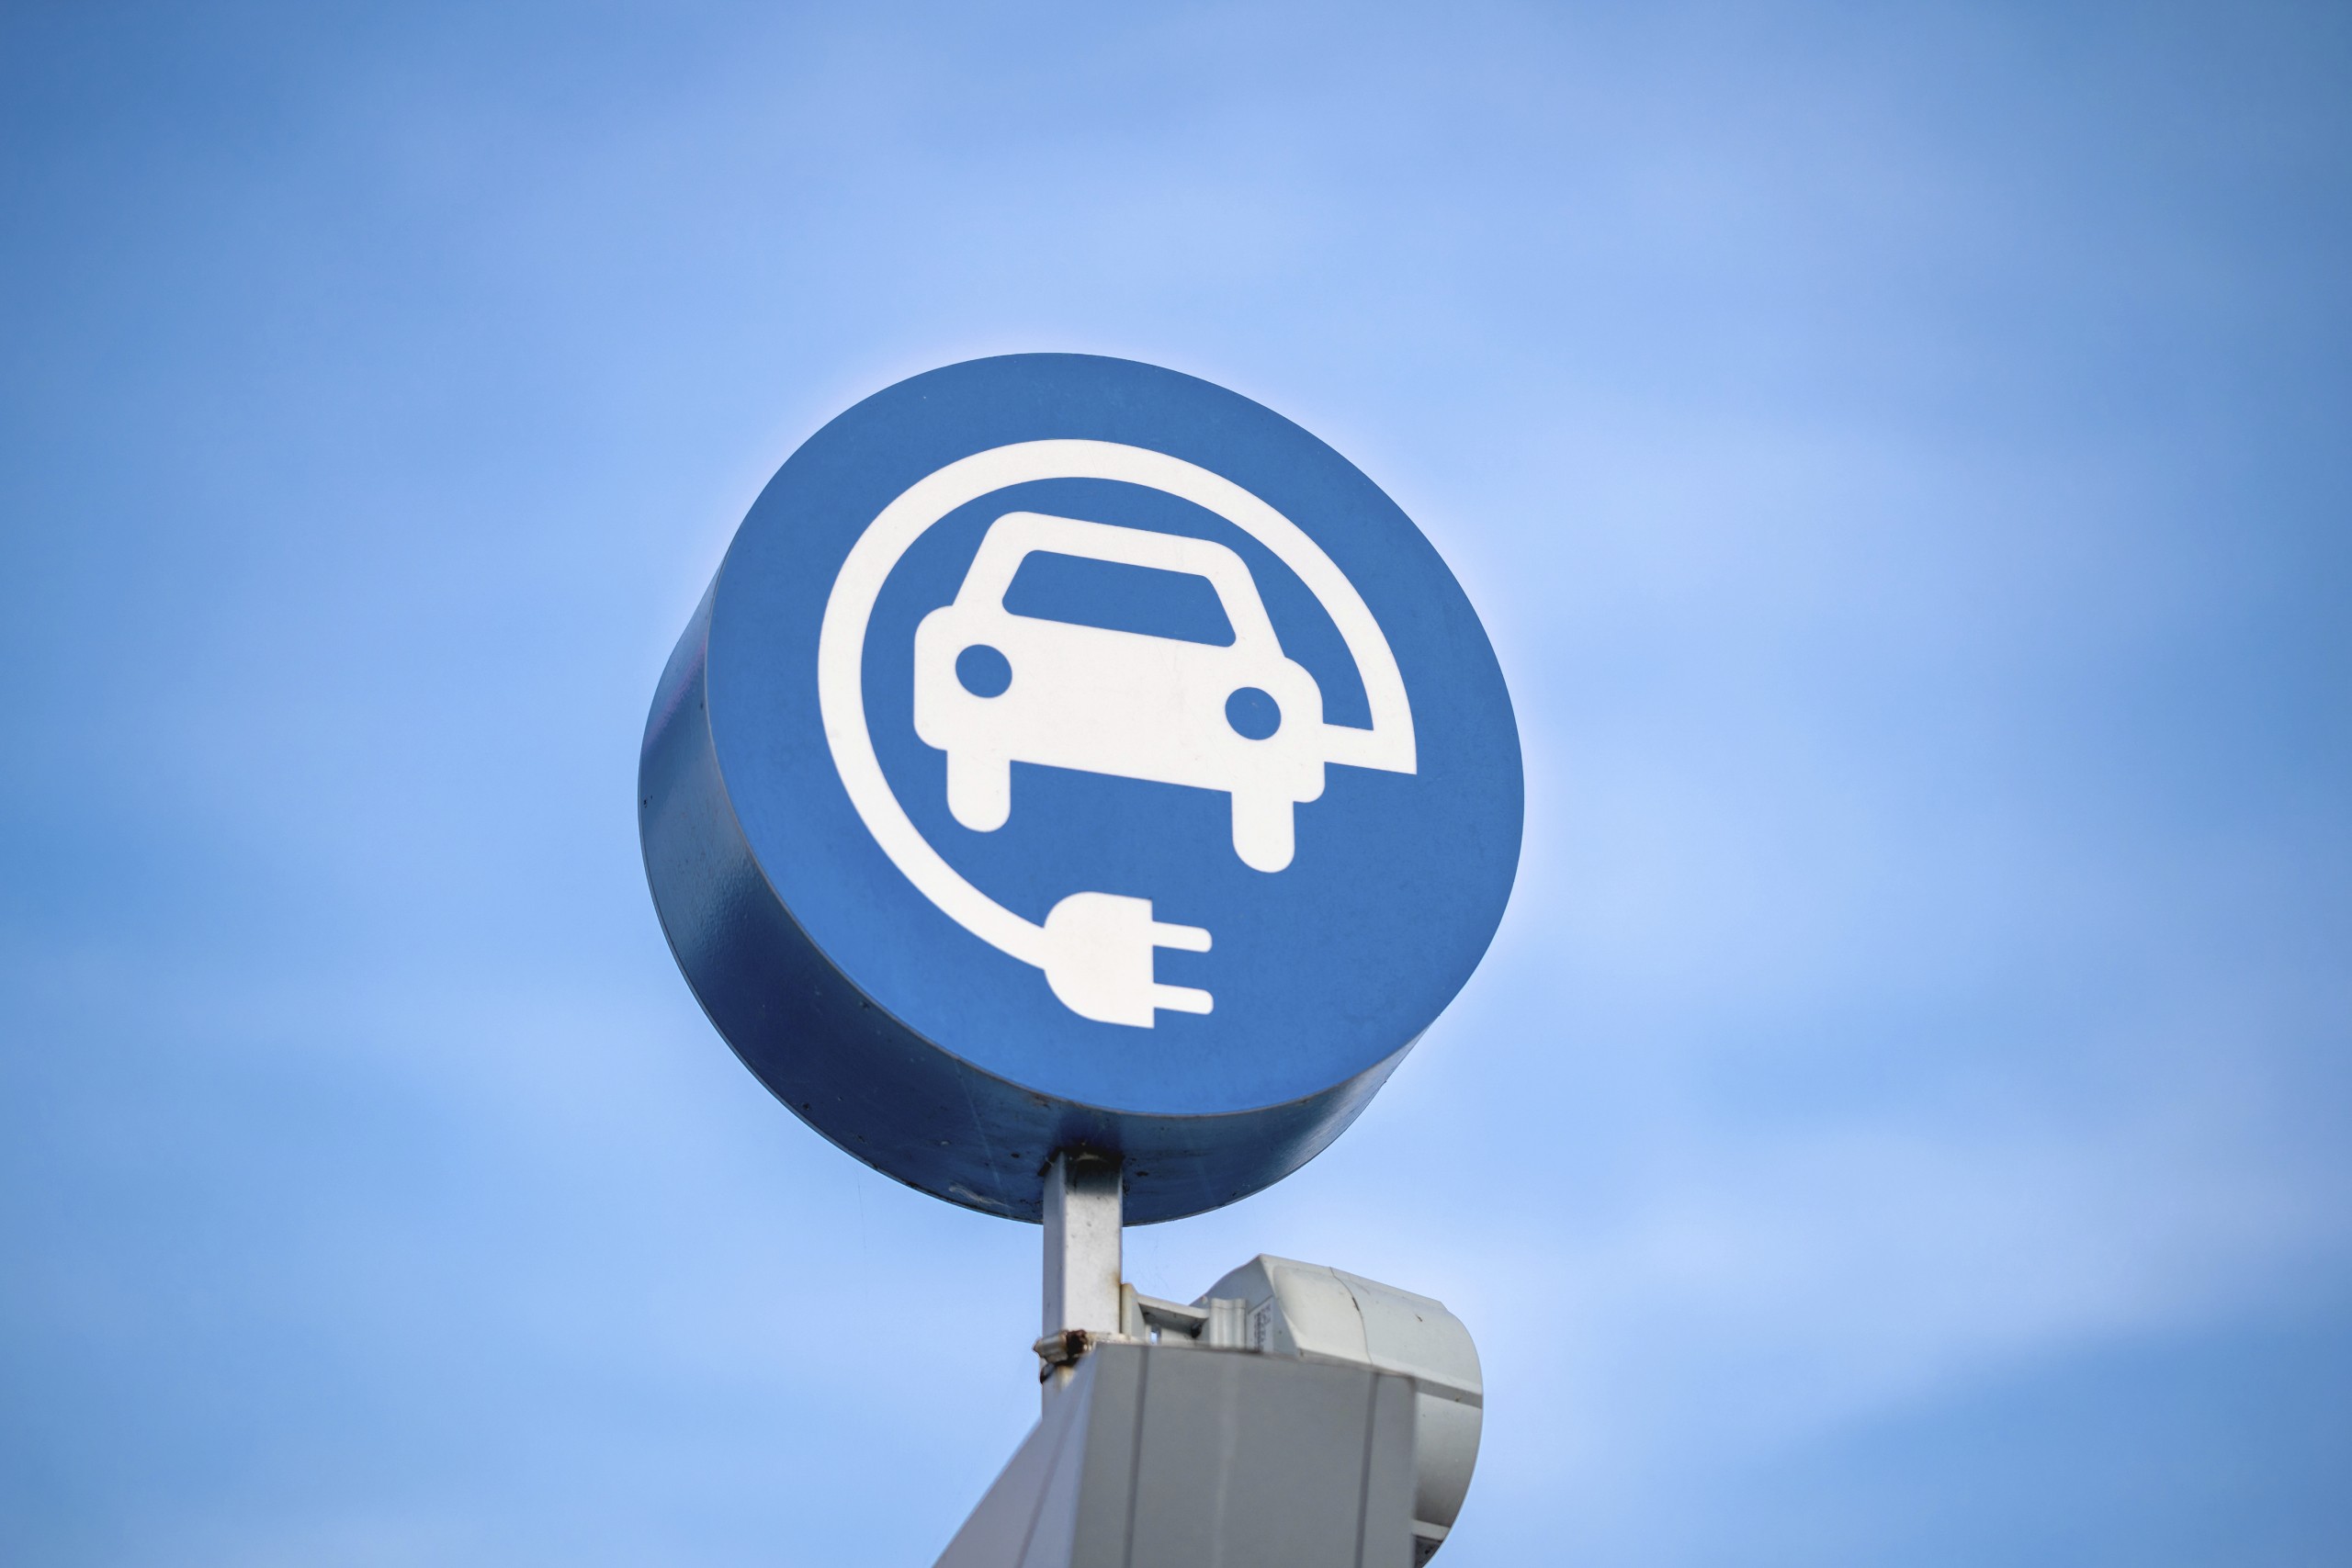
(1901, 456)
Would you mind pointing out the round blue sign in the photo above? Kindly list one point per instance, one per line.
(1071, 752)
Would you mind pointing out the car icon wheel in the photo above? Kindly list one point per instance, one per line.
(1264, 830)
(980, 788)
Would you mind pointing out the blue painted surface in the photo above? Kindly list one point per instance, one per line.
(1896, 455)
(983, 671)
(1254, 713)
(931, 1055)
(1120, 598)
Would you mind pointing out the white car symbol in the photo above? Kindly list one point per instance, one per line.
(1242, 718)
(1096, 948)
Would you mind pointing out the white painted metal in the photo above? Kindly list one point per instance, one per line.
(1156, 1457)
(1326, 1314)
(1272, 1306)
(1082, 1265)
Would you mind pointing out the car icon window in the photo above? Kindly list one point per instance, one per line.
(1118, 596)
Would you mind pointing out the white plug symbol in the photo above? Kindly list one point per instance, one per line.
(1097, 952)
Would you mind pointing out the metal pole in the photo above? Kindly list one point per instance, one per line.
(1083, 1218)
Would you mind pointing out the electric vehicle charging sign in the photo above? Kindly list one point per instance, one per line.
(1070, 751)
